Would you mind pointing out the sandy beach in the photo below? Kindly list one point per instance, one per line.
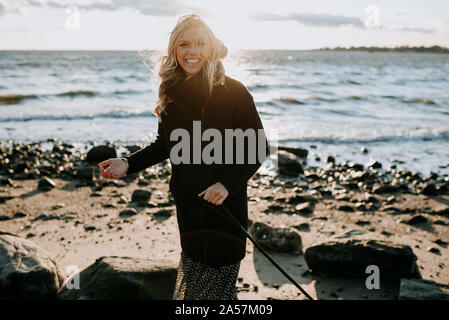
(80, 220)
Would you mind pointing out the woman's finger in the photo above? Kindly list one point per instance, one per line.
(102, 164)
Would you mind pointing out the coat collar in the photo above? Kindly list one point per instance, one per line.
(190, 91)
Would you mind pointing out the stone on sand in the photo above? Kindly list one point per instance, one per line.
(123, 278)
(349, 258)
(27, 271)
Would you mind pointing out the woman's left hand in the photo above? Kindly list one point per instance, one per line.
(215, 194)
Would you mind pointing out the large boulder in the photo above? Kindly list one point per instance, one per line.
(26, 270)
(100, 153)
(123, 278)
(350, 258)
(285, 240)
(413, 289)
(288, 164)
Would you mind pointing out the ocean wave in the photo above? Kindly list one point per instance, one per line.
(112, 114)
(12, 98)
(444, 135)
(420, 100)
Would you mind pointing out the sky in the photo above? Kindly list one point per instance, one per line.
(240, 24)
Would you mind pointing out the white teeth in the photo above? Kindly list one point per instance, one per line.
(193, 60)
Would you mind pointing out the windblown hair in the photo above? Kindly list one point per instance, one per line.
(169, 70)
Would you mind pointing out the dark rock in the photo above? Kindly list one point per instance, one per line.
(429, 190)
(412, 289)
(441, 243)
(301, 198)
(302, 227)
(304, 208)
(124, 278)
(346, 208)
(128, 213)
(277, 239)
(356, 166)
(26, 270)
(378, 189)
(89, 228)
(46, 183)
(374, 164)
(288, 164)
(330, 159)
(162, 215)
(19, 214)
(86, 173)
(140, 196)
(416, 220)
(434, 250)
(299, 152)
(362, 223)
(45, 217)
(100, 153)
(349, 258)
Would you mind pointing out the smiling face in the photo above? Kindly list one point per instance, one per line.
(192, 50)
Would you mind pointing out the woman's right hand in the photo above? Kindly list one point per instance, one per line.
(117, 168)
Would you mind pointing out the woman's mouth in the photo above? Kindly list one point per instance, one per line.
(192, 61)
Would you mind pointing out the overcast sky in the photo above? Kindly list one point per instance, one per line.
(241, 24)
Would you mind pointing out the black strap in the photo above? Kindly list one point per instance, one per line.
(229, 216)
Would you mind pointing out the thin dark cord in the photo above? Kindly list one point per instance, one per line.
(229, 215)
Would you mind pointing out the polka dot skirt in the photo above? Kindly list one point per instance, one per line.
(196, 281)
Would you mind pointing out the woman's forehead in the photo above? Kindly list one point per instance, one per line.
(193, 33)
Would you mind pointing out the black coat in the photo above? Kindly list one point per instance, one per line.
(205, 235)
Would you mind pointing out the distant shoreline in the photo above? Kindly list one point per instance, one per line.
(433, 49)
(422, 49)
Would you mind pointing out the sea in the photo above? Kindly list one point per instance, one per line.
(357, 106)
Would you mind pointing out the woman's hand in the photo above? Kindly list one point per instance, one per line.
(215, 194)
(117, 168)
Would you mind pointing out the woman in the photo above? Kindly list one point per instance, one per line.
(195, 90)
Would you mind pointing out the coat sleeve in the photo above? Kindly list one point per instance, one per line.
(150, 155)
(245, 117)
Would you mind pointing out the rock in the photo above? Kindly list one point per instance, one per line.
(302, 227)
(412, 289)
(378, 189)
(19, 214)
(141, 196)
(346, 208)
(299, 152)
(89, 227)
(349, 258)
(26, 270)
(46, 217)
(429, 190)
(100, 153)
(128, 213)
(434, 250)
(83, 172)
(330, 159)
(304, 208)
(277, 239)
(46, 184)
(416, 220)
(162, 215)
(374, 164)
(288, 164)
(124, 278)
(301, 198)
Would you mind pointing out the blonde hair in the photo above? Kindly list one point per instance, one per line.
(167, 65)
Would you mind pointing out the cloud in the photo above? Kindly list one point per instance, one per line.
(310, 19)
(2, 9)
(166, 8)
